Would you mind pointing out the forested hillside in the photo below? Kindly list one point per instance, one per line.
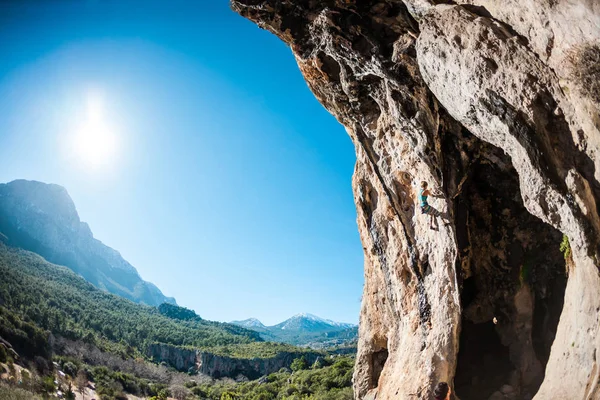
(37, 297)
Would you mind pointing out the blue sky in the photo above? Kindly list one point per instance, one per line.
(229, 186)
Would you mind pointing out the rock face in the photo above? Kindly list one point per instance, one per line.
(220, 366)
(496, 105)
(43, 219)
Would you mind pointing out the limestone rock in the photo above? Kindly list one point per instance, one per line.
(217, 366)
(486, 101)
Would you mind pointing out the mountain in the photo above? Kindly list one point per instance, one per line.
(311, 323)
(42, 218)
(251, 323)
(305, 330)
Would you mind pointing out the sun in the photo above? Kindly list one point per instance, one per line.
(95, 141)
(95, 144)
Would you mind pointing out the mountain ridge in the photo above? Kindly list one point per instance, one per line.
(304, 316)
(304, 329)
(43, 218)
(249, 322)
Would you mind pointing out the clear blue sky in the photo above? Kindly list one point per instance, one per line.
(230, 186)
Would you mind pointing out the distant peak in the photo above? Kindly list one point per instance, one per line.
(248, 323)
(316, 318)
(313, 317)
(254, 320)
(306, 315)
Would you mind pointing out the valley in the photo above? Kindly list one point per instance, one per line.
(56, 325)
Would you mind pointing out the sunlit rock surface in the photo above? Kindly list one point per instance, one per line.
(496, 105)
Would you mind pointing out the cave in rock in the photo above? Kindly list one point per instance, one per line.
(378, 361)
(512, 285)
(484, 361)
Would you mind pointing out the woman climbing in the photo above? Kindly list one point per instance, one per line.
(426, 207)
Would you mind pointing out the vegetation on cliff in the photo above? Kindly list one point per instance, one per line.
(328, 379)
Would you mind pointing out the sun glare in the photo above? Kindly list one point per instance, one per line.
(95, 144)
(95, 141)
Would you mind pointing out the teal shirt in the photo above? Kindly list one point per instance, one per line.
(423, 198)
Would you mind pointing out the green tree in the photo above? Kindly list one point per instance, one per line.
(299, 364)
(69, 368)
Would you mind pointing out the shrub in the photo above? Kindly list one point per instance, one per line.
(565, 247)
(47, 385)
(199, 391)
(179, 392)
(190, 384)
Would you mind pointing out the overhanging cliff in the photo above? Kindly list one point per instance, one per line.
(496, 105)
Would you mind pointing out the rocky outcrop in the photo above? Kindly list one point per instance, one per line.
(218, 366)
(492, 103)
(43, 219)
(182, 359)
(252, 368)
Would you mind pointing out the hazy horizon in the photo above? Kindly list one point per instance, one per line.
(191, 144)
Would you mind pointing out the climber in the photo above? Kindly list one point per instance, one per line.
(426, 208)
(442, 391)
